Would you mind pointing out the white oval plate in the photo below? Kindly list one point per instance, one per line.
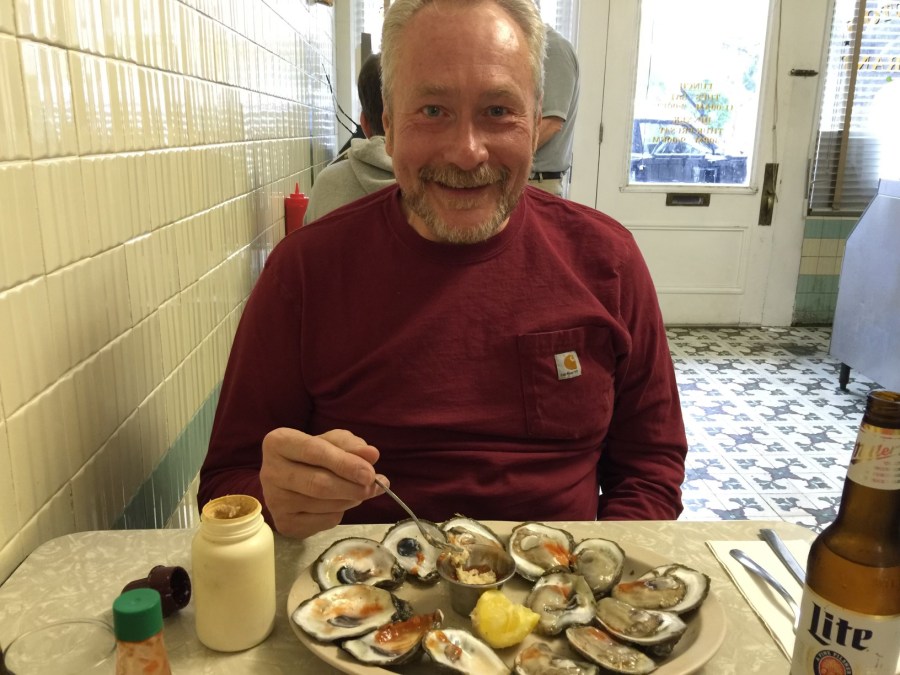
(704, 636)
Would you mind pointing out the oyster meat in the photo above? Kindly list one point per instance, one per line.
(561, 599)
(417, 556)
(464, 531)
(652, 630)
(348, 611)
(539, 659)
(393, 643)
(461, 652)
(607, 652)
(357, 560)
(600, 562)
(539, 548)
(673, 588)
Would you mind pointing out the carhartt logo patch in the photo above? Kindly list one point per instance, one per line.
(567, 365)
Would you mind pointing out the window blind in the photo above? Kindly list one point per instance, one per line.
(863, 56)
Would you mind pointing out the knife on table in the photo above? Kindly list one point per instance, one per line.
(784, 555)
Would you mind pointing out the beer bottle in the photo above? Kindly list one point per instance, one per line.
(850, 614)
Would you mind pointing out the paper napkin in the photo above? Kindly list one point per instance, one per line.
(765, 601)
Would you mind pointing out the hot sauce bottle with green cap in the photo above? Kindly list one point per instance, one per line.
(138, 624)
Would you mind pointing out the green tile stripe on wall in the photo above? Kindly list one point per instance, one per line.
(158, 496)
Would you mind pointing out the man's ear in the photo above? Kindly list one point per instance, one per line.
(364, 123)
(388, 133)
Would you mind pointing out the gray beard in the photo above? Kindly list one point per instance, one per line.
(442, 231)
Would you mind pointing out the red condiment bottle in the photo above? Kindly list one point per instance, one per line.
(294, 210)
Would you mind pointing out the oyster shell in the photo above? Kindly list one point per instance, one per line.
(539, 659)
(539, 548)
(464, 531)
(607, 652)
(561, 599)
(417, 556)
(600, 562)
(394, 643)
(461, 652)
(348, 611)
(357, 560)
(652, 630)
(674, 588)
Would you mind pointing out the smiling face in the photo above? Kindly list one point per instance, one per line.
(461, 123)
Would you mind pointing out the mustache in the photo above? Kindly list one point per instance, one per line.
(453, 177)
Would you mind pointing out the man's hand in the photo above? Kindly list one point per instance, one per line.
(309, 481)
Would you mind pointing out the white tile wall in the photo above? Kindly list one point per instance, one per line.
(145, 152)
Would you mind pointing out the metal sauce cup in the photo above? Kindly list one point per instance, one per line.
(463, 596)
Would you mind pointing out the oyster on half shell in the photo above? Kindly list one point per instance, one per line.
(600, 562)
(464, 531)
(539, 548)
(357, 560)
(394, 643)
(673, 588)
(561, 599)
(417, 556)
(459, 651)
(651, 630)
(348, 611)
(539, 659)
(607, 652)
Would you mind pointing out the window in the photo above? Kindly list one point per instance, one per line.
(854, 128)
(697, 93)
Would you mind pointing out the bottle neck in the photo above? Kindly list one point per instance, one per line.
(232, 529)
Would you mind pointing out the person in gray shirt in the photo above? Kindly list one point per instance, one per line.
(561, 82)
(365, 167)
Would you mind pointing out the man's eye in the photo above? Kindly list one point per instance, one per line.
(431, 111)
(496, 111)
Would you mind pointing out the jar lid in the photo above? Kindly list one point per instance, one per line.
(137, 615)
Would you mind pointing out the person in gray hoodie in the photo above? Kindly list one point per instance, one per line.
(365, 167)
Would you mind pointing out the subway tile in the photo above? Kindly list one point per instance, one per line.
(41, 448)
(9, 523)
(11, 556)
(48, 92)
(831, 228)
(45, 21)
(14, 138)
(29, 351)
(54, 519)
(7, 25)
(21, 257)
(87, 25)
(828, 247)
(811, 248)
(60, 198)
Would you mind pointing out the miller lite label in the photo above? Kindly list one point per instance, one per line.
(831, 640)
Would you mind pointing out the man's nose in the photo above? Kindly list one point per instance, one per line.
(468, 147)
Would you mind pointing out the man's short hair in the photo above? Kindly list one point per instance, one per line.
(368, 86)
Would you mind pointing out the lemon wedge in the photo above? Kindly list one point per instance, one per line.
(500, 622)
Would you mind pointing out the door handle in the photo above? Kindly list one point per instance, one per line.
(769, 196)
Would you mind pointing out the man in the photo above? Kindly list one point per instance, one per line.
(496, 350)
(365, 167)
(553, 158)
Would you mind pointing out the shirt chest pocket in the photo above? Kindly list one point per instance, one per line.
(567, 381)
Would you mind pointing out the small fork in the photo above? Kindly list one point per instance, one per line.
(429, 537)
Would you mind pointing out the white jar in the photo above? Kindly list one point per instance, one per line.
(233, 574)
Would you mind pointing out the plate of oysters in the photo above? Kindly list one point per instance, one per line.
(580, 607)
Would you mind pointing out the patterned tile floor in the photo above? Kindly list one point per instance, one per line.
(769, 430)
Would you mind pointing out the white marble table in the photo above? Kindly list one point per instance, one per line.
(79, 576)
